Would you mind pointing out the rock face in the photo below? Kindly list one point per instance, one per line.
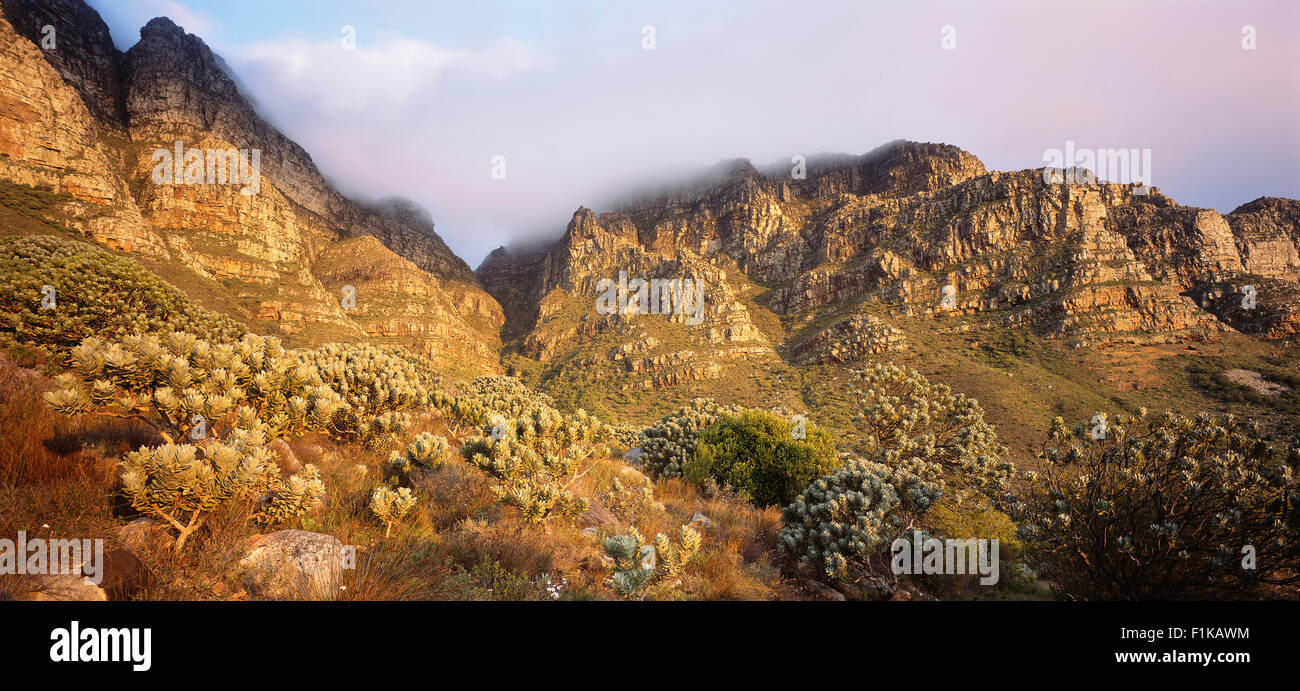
(84, 119)
(909, 230)
(292, 565)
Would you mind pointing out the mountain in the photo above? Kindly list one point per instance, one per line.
(83, 119)
(1037, 298)
(854, 261)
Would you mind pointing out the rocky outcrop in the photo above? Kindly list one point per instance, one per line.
(75, 41)
(176, 89)
(1267, 234)
(917, 230)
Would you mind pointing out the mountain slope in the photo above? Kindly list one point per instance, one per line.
(86, 120)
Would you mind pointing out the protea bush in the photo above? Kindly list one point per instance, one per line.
(391, 505)
(184, 386)
(1165, 507)
(535, 458)
(909, 422)
(376, 432)
(843, 524)
(96, 294)
(670, 444)
(180, 484)
(427, 451)
(507, 396)
(634, 562)
(638, 566)
(375, 378)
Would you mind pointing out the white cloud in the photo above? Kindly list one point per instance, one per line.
(584, 114)
(380, 78)
(137, 12)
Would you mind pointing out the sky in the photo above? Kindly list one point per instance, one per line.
(429, 93)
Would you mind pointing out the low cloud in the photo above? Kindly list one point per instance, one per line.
(582, 112)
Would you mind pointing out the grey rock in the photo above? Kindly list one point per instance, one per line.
(292, 565)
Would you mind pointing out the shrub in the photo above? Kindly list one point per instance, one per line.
(627, 503)
(293, 498)
(625, 436)
(924, 427)
(637, 565)
(842, 523)
(670, 556)
(756, 453)
(391, 506)
(96, 294)
(535, 458)
(669, 445)
(506, 396)
(184, 386)
(634, 562)
(375, 379)
(372, 431)
(1162, 509)
(181, 484)
(425, 451)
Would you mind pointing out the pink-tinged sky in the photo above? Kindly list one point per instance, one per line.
(565, 91)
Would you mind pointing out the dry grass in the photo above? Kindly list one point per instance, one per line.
(40, 447)
(458, 543)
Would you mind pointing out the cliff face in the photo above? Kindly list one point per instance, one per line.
(82, 51)
(84, 119)
(915, 231)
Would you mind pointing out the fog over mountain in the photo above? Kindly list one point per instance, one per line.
(582, 112)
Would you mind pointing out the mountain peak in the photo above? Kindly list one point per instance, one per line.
(161, 27)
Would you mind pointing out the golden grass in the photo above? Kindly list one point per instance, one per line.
(458, 543)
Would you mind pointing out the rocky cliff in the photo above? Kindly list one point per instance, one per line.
(82, 118)
(910, 237)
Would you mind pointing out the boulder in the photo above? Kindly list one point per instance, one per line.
(823, 591)
(292, 565)
(144, 533)
(124, 575)
(634, 455)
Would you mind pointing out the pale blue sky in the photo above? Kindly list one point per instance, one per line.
(565, 91)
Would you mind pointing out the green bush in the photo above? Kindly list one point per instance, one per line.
(756, 452)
